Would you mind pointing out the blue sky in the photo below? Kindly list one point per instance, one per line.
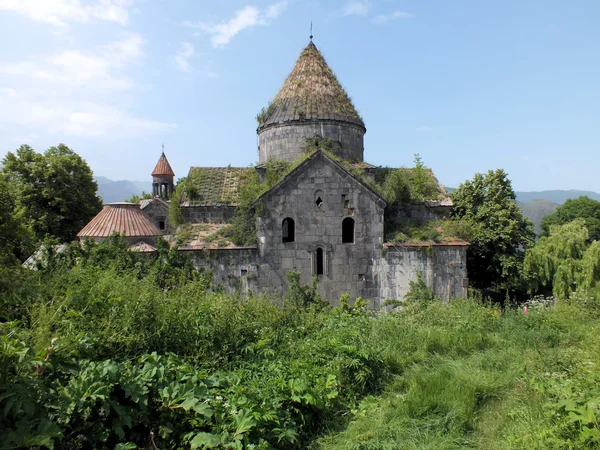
(469, 85)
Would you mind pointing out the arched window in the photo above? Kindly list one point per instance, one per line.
(288, 230)
(319, 263)
(348, 231)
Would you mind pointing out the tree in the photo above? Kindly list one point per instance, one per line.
(138, 198)
(555, 260)
(582, 207)
(16, 238)
(55, 191)
(497, 231)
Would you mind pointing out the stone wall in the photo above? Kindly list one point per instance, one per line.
(207, 214)
(236, 270)
(287, 141)
(347, 267)
(418, 214)
(386, 276)
(158, 211)
(443, 267)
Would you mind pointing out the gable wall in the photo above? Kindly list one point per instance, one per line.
(348, 266)
(158, 211)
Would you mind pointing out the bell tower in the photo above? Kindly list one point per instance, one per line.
(162, 178)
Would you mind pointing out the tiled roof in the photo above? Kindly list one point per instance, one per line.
(163, 167)
(122, 218)
(214, 185)
(311, 91)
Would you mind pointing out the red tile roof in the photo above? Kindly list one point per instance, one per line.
(122, 218)
(163, 167)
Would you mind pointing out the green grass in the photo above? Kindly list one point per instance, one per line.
(299, 374)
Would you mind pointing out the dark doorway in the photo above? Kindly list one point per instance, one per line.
(288, 231)
(348, 231)
(319, 263)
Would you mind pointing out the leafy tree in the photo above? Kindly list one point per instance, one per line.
(582, 207)
(563, 260)
(555, 261)
(16, 238)
(497, 231)
(138, 198)
(54, 191)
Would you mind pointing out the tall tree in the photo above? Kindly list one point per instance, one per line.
(579, 208)
(16, 238)
(497, 230)
(54, 191)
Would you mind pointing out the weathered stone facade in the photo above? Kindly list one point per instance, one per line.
(320, 220)
(347, 266)
(301, 228)
(288, 141)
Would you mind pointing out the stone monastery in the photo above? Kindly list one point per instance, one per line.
(324, 217)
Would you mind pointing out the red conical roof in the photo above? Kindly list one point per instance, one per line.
(163, 167)
(122, 218)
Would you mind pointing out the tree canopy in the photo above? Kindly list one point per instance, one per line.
(54, 192)
(497, 231)
(579, 208)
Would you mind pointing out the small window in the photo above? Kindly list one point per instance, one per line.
(288, 231)
(319, 265)
(348, 231)
(319, 202)
(162, 225)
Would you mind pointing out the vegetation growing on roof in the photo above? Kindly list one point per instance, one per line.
(311, 91)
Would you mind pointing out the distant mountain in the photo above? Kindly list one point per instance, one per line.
(558, 197)
(536, 210)
(118, 191)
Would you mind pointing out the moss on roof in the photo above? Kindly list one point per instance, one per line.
(311, 91)
(213, 185)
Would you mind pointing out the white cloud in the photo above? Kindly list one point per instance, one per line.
(356, 8)
(247, 17)
(61, 12)
(74, 92)
(76, 68)
(182, 57)
(383, 19)
(87, 119)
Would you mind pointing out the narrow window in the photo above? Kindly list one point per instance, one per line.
(348, 231)
(288, 232)
(319, 264)
(161, 225)
(319, 202)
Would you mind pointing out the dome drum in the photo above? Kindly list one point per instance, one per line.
(287, 141)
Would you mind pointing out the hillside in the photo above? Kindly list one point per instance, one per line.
(555, 196)
(117, 191)
(536, 210)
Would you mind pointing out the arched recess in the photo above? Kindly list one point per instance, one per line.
(288, 230)
(320, 261)
(348, 230)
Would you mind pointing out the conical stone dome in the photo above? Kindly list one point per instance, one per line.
(310, 103)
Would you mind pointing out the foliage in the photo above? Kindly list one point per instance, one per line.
(138, 198)
(563, 260)
(580, 208)
(54, 192)
(16, 236)
(175, 216)
(108, 355)
(401, 187)
(499, 233)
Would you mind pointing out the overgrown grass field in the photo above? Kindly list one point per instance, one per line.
(112, 352)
